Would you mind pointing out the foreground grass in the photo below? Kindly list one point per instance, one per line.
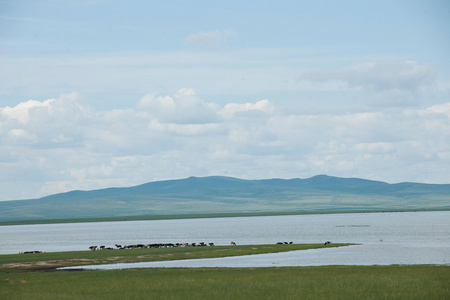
(339, 282)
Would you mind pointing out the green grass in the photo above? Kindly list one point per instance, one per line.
(59, 259)
(341, 282)
(205, 215)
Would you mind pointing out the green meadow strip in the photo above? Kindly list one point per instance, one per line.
(200, 216)
(38, 261)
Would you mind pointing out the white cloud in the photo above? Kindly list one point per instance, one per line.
(21, 112)
(441, 109)
(78, 174)
(209, 40)
(231, 109)
(183, 108)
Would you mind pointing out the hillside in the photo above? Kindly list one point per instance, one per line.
(218, 194)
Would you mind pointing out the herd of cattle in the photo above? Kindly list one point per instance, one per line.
(159, 245)
(156, 245)
(169, 245)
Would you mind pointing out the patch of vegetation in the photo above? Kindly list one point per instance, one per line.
(51, 260)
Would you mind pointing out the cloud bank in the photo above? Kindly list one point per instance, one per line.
(62, 144)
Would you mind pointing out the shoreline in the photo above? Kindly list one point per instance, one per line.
(204, 216)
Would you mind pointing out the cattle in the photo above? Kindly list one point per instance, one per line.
(155, 245)
(233, 243)
(327, 243)
(28, 252)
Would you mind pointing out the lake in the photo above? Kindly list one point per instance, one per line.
(384, 238)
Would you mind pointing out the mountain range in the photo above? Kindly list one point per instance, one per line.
(218, 194)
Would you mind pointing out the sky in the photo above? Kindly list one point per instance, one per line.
(97, 93)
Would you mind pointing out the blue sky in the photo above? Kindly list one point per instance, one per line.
(99, 93)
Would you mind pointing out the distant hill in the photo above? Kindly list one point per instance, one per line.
(217, 194)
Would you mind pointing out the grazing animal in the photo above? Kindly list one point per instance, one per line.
(118, 246)
(327, 243)
(211, 244)
(93, 248)
(102, 247)
(233, 243)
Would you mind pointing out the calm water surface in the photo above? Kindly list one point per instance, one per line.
(384, 238)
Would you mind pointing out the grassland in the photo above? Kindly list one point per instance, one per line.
(52, 260)
(339, 282)
(205, 215)
(33, 276)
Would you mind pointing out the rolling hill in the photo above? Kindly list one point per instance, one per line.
(217, 194)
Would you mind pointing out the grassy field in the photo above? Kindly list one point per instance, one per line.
(33, 276)
(210, 215)
(39, 261)
(340, 282)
